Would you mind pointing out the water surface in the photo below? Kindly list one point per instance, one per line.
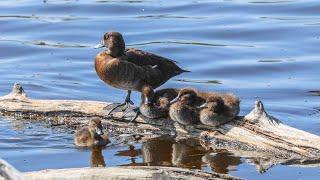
(256, 49)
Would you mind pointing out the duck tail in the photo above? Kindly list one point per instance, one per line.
(180, 71)
(183, 70)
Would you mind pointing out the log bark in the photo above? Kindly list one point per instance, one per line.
(259, 137)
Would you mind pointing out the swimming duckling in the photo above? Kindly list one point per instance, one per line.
(156, 104)
(131, 69)
(219, 109)
(184, 107)
(91, 135)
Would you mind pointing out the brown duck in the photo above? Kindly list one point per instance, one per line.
(156, 104)
(184, 108)
(219, 109)
(131, 69)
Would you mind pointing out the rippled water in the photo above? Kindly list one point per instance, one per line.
(256, 49)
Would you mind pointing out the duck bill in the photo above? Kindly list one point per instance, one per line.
(205, 105)
(100, 45)
(99, 131)
(174, 100)
(147, 101)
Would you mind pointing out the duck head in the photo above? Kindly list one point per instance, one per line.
(147, 95)
(186, 96)
(213, 103)
(95, 127)
(114, 42)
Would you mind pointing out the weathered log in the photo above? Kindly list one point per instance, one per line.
(8, 172)
(129, 172)
(262, 139)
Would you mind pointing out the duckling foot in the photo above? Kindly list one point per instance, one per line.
(136, 112)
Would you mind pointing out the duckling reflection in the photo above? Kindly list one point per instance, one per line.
(187, 153)
(158, 151)
(97, 159)
(221, 162)
(166, 151)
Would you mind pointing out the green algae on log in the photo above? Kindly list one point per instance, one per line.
(259, 137)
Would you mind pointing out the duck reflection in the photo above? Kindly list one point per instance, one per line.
(221, 162)
(97, 158)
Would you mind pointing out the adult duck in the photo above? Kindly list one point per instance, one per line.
(131, 69)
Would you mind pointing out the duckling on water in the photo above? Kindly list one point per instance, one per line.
(219, 109)
(91, 135)
(184, 108)
(131, 69)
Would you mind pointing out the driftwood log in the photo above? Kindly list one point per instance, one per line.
(7, 172)
(262, 139)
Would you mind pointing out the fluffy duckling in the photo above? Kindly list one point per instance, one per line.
(184, 107)
(131, 69)
(91, 135)
(219, 109)
(156, 104)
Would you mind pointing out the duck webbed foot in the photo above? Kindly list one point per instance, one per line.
(126, 105)
(136, 112)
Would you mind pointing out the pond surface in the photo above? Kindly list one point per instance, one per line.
(257, 49)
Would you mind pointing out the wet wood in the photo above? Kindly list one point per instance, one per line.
(259, 137)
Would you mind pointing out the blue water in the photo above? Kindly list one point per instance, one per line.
(256, 49)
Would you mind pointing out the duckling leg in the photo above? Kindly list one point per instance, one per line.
(127, 103)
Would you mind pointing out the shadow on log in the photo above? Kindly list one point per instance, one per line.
(259, 137)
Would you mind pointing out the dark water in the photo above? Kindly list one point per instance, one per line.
(256, 49)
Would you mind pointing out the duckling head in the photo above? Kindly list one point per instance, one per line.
(213, 103)
(147, 95)
(114, 42)
(186, 96)
(96, 127)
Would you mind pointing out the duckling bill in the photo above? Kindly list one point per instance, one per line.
(131, 69)
(91, 135)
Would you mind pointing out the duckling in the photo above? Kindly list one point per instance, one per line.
(156, 104)
(184, 107)
(131, 69)
(219, 109)
(91, 135)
